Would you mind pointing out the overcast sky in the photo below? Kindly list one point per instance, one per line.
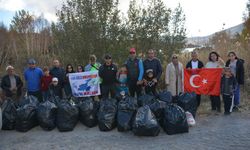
(203, 17)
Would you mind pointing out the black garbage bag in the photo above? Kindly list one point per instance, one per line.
(46, 115)
(107, 114)
(146, 100)
(67, 116)
(88, 110)
(158, 108)
(55, 99)
(30, 99)
(175, 120)
(188, 102)
(8, 115)
(145, 123)
(165, 96)
(126, 112)
(26, 117)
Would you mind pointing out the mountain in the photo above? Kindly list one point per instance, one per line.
(202, 40)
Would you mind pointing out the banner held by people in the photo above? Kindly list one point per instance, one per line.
(203, 81)
(85, 84)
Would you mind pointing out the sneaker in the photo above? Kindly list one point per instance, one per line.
(236, 109)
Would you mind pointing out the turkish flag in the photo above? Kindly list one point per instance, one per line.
(203, 81)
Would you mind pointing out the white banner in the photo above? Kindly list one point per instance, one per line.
(85, 84)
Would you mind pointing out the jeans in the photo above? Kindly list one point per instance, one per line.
(215, 102)
(237, 95)
(108, 89)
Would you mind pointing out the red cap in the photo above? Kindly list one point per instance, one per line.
(132, 50)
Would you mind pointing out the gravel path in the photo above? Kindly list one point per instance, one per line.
(213, 132)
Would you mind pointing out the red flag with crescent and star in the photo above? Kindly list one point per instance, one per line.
(205, 81)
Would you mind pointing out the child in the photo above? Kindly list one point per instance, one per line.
(45, 82)
(228, 85)
(150, 85)
(55, 89)
(122, 78)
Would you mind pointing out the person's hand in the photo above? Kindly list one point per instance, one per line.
(145, 81)
(155, 80)
(139, 82)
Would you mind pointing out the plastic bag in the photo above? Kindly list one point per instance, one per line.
(188, 102)
(67, 116)
(175, 120)
(146, 100)
(88, 110)
(46, 115)
(145, 123)
(107, 114)
(190, 119)
(26, 117)
(8, 115)
(165, 96)
(158, 110)
(126, 112)
(29, 100)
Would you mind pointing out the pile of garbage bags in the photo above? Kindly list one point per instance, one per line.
(144, 116)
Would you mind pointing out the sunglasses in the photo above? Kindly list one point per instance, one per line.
(131, 52)
(107, 57)
(174, 57)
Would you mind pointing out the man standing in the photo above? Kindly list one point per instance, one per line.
(107, 73)
(33, 77)
(153, 64)
(58, 72)
(195, 63)
(12, 84)
(135, 73)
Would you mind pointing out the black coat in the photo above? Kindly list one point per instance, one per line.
(239, 70)
(108, 74)
(189, 64)
(5, 85)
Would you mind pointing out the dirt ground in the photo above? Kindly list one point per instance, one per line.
(212, 132)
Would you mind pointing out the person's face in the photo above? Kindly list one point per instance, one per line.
(79, 69)
(32, 65)
(123, 70)
(108, 60)
(151, 54)
(213, 57)
(132, 54)
(227, 72)
(92, 61)
(69, 68)
(46, 73)
(175, 60)
(55, 83)
(194, 56)
(150, 75)
(11, 71)
(56, 63)
(231, 57)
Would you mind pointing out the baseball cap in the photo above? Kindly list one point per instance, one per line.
(54, 79)
(31, 61)
(9, 67)
(132, 50)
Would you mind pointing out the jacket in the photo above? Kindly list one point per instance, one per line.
(135, 69)
(200, 64)
(240, 71)
(5, 85)
(108, 74)
(58, 73)
(154, 64)
(45, 82)
(232, 83)
(33, 79)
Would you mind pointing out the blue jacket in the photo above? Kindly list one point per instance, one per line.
(33, 79)
(135, 69)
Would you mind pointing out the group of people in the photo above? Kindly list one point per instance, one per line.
(133, 78)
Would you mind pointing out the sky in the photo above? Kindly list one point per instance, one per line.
(203, 17)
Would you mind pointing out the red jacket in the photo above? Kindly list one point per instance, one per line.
(45, 82)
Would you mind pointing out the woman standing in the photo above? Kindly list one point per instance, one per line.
(80, 68)
(215, 62)
(174, 76)
(237, 68)
(67, 87)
